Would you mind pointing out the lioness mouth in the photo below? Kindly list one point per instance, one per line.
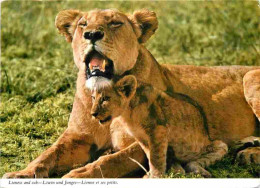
(98, 65)
(105, 120)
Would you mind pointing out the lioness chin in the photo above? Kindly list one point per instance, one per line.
(108, 44)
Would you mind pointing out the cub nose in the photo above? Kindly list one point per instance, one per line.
(93, 36)
(94, 114)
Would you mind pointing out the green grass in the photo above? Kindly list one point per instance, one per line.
(38, 75)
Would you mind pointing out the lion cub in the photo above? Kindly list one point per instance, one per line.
(156, 121)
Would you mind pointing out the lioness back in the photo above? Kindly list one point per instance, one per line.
(219, 91)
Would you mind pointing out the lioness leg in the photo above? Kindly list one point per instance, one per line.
(251, 83)
(113, 165)
(216, 151)
(69, 150)
(248, 150)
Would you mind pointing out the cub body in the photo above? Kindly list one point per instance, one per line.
(155, 119)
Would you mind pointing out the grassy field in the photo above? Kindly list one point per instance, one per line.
(38, 74)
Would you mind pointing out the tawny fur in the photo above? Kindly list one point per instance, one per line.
(157, 121)
(218, 90)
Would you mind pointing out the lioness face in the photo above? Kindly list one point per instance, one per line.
(117, 41)
(105, 42)
(111, 102)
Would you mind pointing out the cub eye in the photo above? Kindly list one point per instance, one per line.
(105, 98)
(115, 24)
(83, 24)
(93, 98)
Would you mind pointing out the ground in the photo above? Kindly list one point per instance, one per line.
(38, 74)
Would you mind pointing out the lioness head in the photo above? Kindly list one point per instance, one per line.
(110, 102)
(105, 42)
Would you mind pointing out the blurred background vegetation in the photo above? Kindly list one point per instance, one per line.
(38, 74)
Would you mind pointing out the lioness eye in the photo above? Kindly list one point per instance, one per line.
(115, 24)
(93, 98)
(83, 24)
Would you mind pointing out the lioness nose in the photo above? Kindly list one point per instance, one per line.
(94, 35)
(94, 114)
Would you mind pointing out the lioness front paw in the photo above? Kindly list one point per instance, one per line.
(18, 174)
(88, 171)
(72, 175)
(249, 156)
(34, 172)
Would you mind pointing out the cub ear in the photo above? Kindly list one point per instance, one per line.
(144, 23)
(66, 22)
(126, 86)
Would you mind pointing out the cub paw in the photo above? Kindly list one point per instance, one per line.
(149, 176)
(177, 168)
(153, 174)
(195, 168)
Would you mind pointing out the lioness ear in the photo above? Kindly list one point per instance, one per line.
(144, 23)
(66, 22)
(126, 86)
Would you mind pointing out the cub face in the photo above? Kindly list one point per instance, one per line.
(110, 102)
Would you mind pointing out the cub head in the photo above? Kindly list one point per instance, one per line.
(111, 102)
(105, 42)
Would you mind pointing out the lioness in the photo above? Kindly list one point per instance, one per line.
(227, 96)
(157, 121)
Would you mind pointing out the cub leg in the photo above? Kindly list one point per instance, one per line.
(113, 165)
(215, 151)
(157, 152)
